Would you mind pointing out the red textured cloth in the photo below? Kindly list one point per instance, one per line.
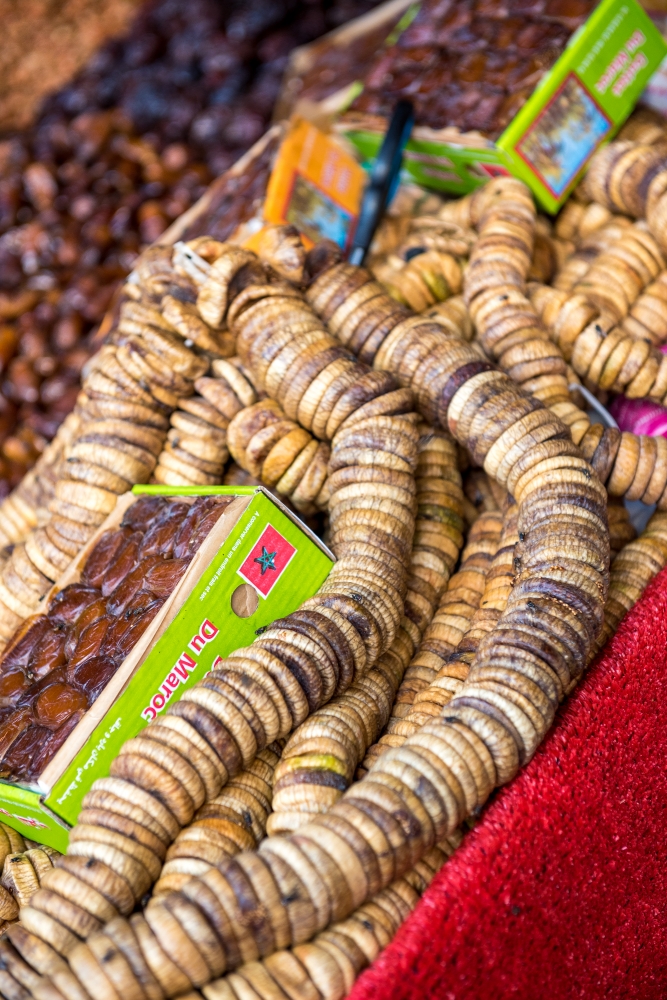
(561, 890)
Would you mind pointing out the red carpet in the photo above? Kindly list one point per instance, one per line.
(561, 891)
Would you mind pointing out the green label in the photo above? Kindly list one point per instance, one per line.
(584, 99)
(22, 809)
(438, 165)
(266, 550)
(579, 104)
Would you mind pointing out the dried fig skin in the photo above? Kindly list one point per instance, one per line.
(90, 641)
(103, 555)
(140, 515)
(13, 683)
(125, 561)
(163, 577)
(71, 602)
(135, 581)
(57, 702)
(20, 650)
(91, 676)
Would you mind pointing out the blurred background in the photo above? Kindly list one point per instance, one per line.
(114, 117)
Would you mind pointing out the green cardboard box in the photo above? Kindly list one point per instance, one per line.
(258, 563)
(580, 103)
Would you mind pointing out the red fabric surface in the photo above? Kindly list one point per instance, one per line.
(561, 890)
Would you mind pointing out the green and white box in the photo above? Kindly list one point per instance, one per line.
(580, 103)
(259, 563)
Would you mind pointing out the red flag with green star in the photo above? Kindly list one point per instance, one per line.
(267, 560)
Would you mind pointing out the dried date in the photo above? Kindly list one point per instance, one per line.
(18, 761)
(92, 675)
(25, 640)
(50, 745)
(57, 702)
(90, 641)
(137, 628)
(160, 537)
(12, 685)
(103, 555)
(12, 728)
(162, 578)
(135, 581)
(124, 563)
(72, 601)
(140, 515)
(50, 651)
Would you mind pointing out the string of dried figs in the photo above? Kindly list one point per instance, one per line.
(437, 672)
(630, 465)
(601, 350)
(454, 657)
(333, 864)
(280, 453)
(59, 662)
(321, 757)
(233, 821)
(326, 967)
(632, 569)
(196, 449)
(262, 692)
(453, 613)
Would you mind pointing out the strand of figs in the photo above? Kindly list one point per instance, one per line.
(196, 452)
(441, 665)
(158, 349)
(233, 821)
(321, 757)
(22, 876)
(262, 692)
(457, 604)
(283, 455)
(582, 255)
(331, 866)
(12, 844)
(27, 506)
(449, 653)
(326, 967)
(601, 350)
(629, 465)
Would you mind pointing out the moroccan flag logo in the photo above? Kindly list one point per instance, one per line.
(266, 561)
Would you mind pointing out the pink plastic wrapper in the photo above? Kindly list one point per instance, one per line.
(639, 416)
